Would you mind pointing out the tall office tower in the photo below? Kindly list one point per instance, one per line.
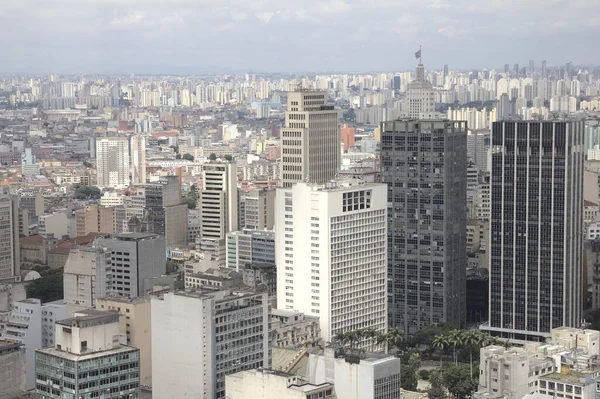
(445, 70)
(138, 159)
(531, 66)
(331, 254)
(420, 97)
(90, 360)
(217, 333)
(504, 107)
(396, 82)
(544, 70)
(138, 261)
(218, 202)
(424, 164)
(10, 258)
(165, 212)
(86, 276)
(506, 68)
(112, 162)
(536, 224)
(310, 139)
(516, 69)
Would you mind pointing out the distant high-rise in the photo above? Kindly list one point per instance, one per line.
(536, 227)
(138, 159)
(10, 262)
(112, 162)
(506, 68)
(516, 69)
(544, 70)
(504, 107)
(420, 97)
(310, 139)
(424, 164)
(331, 254)
(445, 70)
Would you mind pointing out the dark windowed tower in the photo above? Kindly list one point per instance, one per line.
(536, 227)
(424, 163)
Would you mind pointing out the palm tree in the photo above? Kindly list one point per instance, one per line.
(455, 338)
(472, 338)
(370, 334)
(394, 337)
(381, 338)
(341, 338)
(352, 337)
(441, 343)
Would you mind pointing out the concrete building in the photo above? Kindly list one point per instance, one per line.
(294, 329)
(269, 384)
(370, 376)
(258, 209)
(89, 359)
(55, 225)
(33, 202)
(217, 201)
(348, 136)
(420, 97)
(137, 260)
(10, 258)
(331, 245)
(424, 164)
(572, 383)
(12, 369)
(112, 162)
(536, 199)
(87, 275)
(94, 219)
(135, 323)
(24, 325)
(511, 373)
(138, 159)
(166, 214)
(310, 139)
(250, 247)
(199, 337)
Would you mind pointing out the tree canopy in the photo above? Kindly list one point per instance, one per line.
(47, 288)
(87, 192)
(212, 157)
(189, 157)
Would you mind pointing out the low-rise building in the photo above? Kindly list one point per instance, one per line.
(269, 384)
(294, 329)
(569, 384)
(12, 369)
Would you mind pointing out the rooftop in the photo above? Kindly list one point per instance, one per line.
(87, 356)
(572, 376)
(89, 318)
(121, 299)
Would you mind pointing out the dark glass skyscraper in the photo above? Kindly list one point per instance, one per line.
(424, 163)
(536, 227)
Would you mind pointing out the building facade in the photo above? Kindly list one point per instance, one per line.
(218, 201)
(424, 164)
(87, 275)
(269, 384)
(536, 227)
(331, 245)
(12, 369)
(199, 337)
(138, 159)
(310, 139)
(10, 258)
(112, 162)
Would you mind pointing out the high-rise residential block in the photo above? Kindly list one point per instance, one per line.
(256, 209)
(217, 201)
(536, 227)
(166, 214)
(310, 139)
(87, 275)
(331, 245)
(199, 337)
(137, 260)
(348, 138)
(10, 262)
(138, 159)
(424, 163)
(248, 247)
(89, 360)
(112, 162)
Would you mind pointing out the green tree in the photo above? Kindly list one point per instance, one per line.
(394, 338)
(212, 157)
(436, 379)
(473, 340)
(87, 192)
(460, 382)
(229, 157)
(340, 338)
(408, 378)
(441, 343)
(455, 337)
(189, 157)
(47, 288)
(178, 156)
(427, 335)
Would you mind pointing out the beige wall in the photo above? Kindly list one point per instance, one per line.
(135, 322)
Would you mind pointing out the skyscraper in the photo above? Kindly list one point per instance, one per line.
(112, 162)
(138, 159)
(310, 139)
(331, 254)
(420, 97)
(424, 164)
(10, 262)
(531, 66)
(536, 227)
(544, 70)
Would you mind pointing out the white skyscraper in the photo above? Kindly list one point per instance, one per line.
(112, 162)
(138, 159)
(310, 139)
(420, 97)
(331, 251)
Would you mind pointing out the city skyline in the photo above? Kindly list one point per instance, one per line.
(184, 37)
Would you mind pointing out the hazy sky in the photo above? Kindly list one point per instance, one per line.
(186, 36)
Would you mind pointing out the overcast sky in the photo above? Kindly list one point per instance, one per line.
(187, 36)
